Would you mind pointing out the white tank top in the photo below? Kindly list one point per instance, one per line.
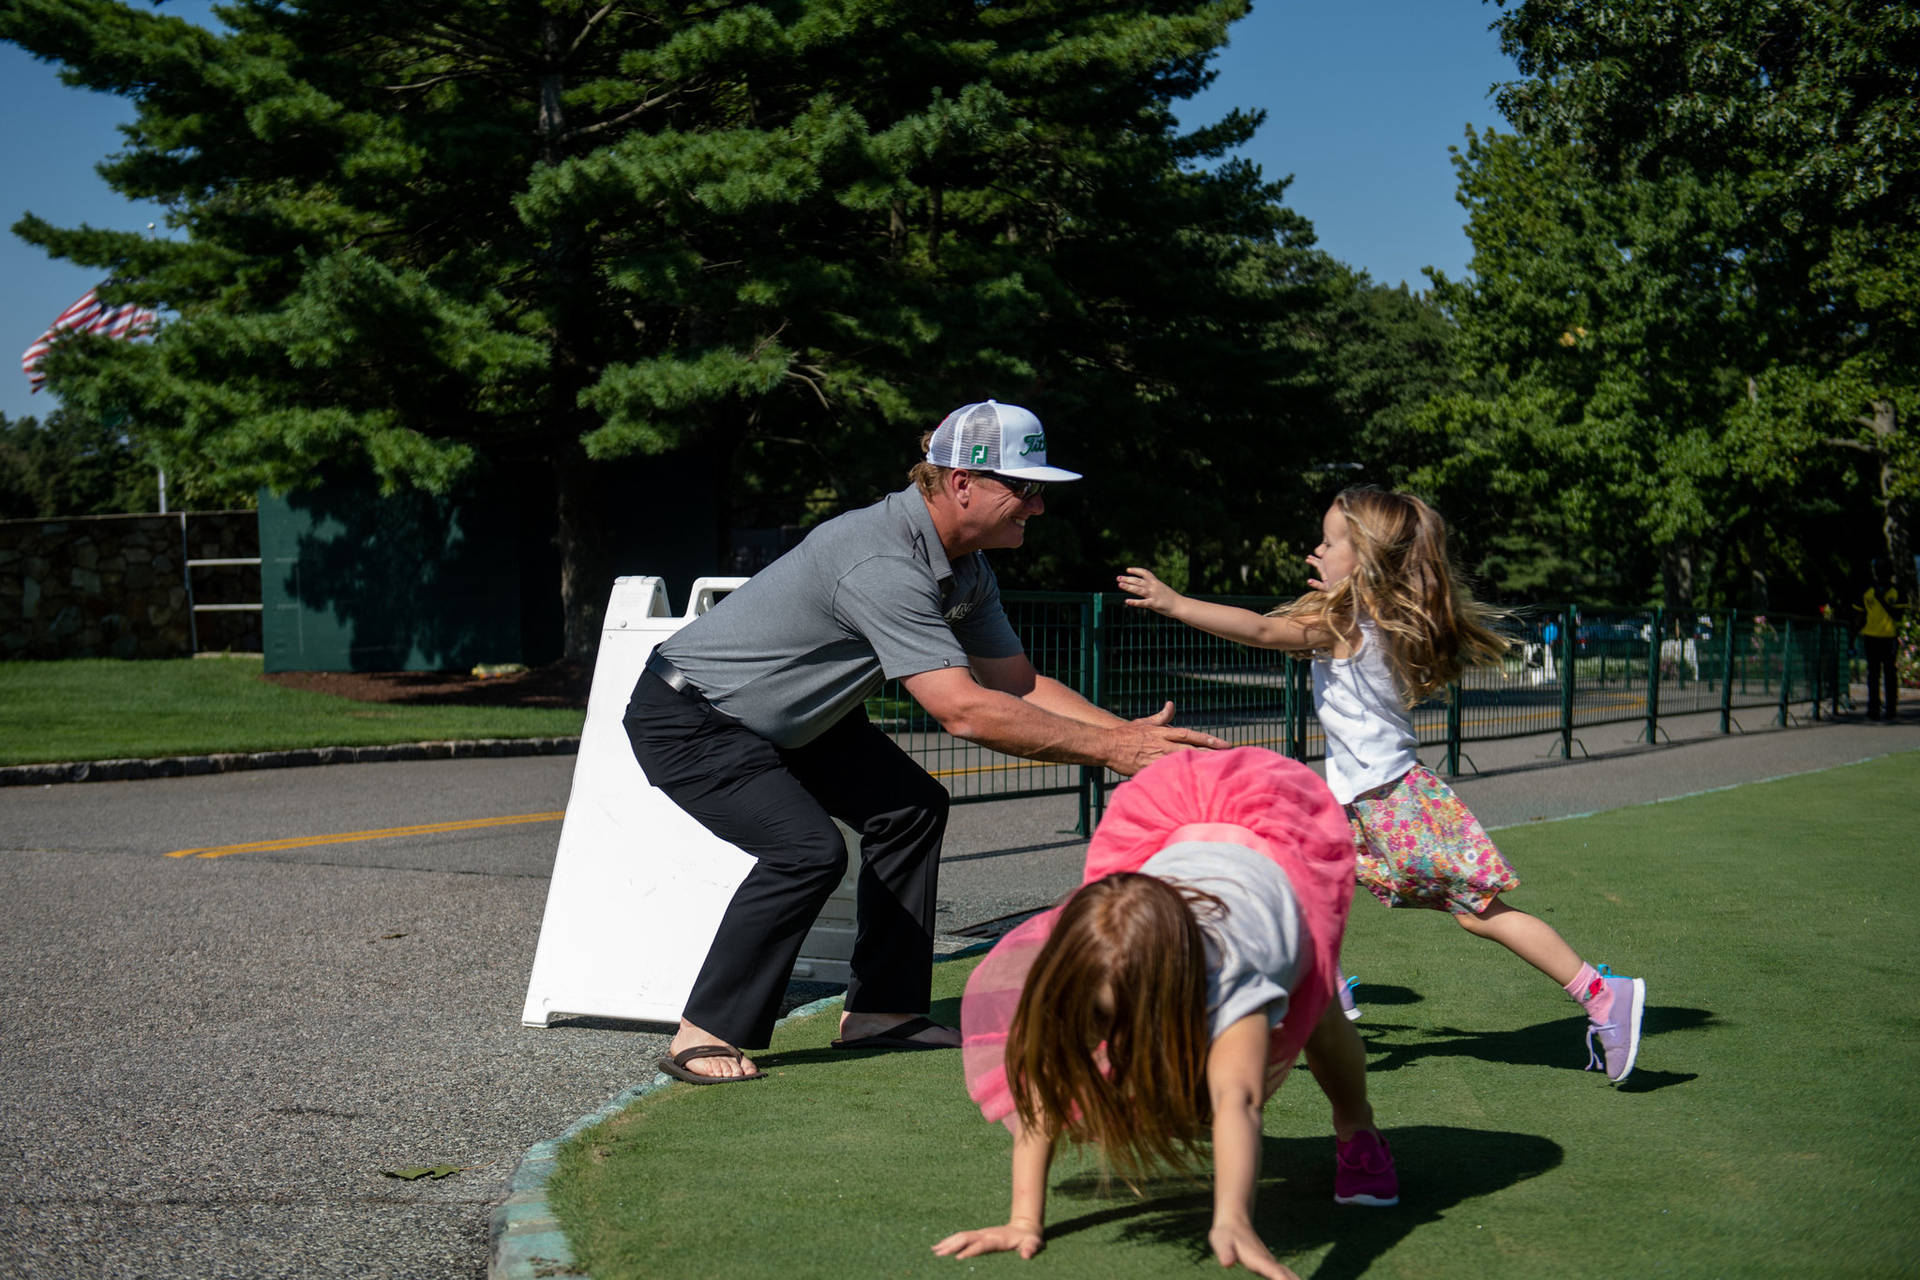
(1370, 738)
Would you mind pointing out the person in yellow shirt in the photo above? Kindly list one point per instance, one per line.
(1881, 607)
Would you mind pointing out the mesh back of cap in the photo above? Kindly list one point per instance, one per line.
(978, 438)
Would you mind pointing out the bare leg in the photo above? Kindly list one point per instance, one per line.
(1338, 1061)
(1529, 937)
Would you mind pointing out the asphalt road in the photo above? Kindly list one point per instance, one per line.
(208, 1064)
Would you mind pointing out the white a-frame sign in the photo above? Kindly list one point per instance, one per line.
(638, 886)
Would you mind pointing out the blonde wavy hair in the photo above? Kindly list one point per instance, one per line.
(1404, 582)
(1126, 1073)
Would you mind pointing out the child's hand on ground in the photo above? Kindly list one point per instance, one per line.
(1015, 1236)
(1235, 1242)
(1151, 592)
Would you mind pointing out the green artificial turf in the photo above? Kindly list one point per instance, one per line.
(1770, 1129)
(99, 709)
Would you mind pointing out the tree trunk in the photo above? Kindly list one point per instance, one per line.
(581, 529)
(1676, 571)
(1885, 426)
(728, 425)
(1906, 570)
(586, 575)
(1757, 593)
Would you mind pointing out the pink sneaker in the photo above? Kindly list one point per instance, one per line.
(1615, 1043)
(1363, 1171)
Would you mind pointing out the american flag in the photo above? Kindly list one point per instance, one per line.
(89, 315)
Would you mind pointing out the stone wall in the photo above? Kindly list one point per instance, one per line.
(116, 586)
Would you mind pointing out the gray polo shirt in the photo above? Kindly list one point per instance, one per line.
(867, 596)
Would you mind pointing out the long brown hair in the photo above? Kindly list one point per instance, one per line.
(1109, 1043)
(1404, 581)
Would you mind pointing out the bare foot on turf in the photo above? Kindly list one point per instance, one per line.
(858, 1026)
(692, 1037)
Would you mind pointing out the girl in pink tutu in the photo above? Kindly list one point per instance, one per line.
(1165, 1001)
(1386, 628)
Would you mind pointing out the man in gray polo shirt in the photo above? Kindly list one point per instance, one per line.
(752, 719)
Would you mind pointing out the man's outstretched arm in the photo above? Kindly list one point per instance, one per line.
(1018, 676)
(1026, 726)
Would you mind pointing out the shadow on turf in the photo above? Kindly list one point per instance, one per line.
(1440, 1167)
(1380, 993)
(1560, 1042)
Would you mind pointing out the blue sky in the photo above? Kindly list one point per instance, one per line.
(1363, 98)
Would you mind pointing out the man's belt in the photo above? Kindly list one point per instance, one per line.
(671, 676)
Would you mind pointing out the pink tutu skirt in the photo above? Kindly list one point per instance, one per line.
(1248, 796)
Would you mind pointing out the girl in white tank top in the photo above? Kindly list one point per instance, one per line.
(1387, 628)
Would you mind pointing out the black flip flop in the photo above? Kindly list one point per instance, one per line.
(676, 1066)
(898, 1036)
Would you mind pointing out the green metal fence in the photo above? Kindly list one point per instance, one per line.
(1569, 668)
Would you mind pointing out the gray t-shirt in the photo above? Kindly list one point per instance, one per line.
(867, 596)
(1255, 953)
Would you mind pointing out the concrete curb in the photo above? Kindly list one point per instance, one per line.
(525, 1241)
(41, 775)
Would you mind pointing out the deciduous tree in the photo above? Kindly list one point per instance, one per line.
(1802, 114)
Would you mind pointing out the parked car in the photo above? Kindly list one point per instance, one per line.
(1612, 638)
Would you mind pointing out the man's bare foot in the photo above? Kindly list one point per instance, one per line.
(717, 1067)
(918, 1030)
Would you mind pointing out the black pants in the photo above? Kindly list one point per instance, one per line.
(778, 806)
(1882, 669)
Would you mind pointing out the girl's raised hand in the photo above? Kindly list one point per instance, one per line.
(1236, 1243)
(1150, 592)
(1015, 1236)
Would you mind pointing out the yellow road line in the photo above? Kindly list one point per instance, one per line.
(384, 833)
(472, 824)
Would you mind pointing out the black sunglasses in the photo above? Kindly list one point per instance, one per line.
(1022, 489)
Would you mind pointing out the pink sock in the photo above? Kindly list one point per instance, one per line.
(1591, 990)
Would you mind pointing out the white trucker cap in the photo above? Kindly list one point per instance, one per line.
(1002, 438)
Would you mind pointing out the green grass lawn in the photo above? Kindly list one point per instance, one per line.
(1770, 1130)
(99, 709)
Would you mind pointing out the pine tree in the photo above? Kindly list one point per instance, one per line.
(416, 237)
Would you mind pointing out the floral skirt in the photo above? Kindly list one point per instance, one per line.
(1417, 845)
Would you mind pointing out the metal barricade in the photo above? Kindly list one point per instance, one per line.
(1568, 669)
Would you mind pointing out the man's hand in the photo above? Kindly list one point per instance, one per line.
(1138, 743)
(1019, 727)
(1021, 1237)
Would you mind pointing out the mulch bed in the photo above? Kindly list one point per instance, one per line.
(559, 684)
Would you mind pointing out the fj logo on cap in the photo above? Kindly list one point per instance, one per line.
(1035, 443)
(979, 455)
